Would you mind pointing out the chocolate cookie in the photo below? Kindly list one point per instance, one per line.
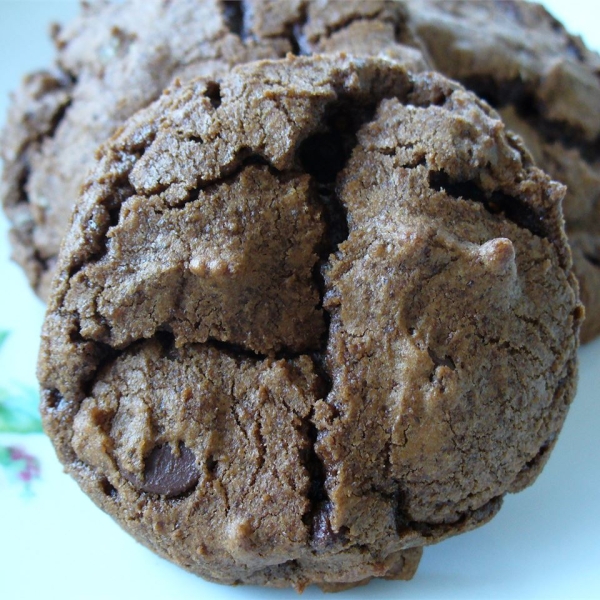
(308, 319)
(117, 58)
(514, 54)
(546, 85)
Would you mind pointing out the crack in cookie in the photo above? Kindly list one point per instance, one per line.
(270, 321)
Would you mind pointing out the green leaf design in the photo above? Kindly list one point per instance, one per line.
(18, 408)
(19, 412)
(5, 459)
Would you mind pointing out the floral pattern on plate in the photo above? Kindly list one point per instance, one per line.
(18, 414)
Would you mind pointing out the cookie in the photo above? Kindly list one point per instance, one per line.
(546, 85)
(309, 319)
(514, 54)
(118, 57)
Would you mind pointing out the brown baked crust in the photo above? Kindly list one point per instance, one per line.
(424, 352)
(513, 54)
(115, 59)
(545, 84)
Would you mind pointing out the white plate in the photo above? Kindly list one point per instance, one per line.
(54, 543)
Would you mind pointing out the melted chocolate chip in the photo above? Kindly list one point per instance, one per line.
(323, 535)
(168, 474)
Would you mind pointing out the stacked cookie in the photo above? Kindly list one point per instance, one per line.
(310, 313)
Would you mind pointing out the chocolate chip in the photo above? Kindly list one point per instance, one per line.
(168, 474)
(323, 535)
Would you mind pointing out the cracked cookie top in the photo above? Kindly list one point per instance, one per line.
(545, 83)
(309, 318)
(116, 58)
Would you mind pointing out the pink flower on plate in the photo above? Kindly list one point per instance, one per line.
(19, 414)
(20, 465)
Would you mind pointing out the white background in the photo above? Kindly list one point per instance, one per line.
(545, 543)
